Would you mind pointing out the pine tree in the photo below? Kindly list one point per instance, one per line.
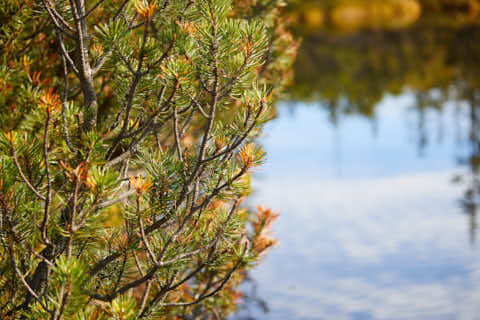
(127, 144)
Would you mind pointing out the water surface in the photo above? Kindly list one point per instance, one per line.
(373, 224)
(375, 169)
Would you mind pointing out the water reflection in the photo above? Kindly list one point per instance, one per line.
(371, 184)
(471, 179)
(437, 64)
(380, 235)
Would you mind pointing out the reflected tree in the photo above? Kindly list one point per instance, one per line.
(437, 63)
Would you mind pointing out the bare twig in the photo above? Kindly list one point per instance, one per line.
(49, 182)
(22, 278)
(177, 135)
(22, 175)
(92, 9)
(142, 233)
(66, 135)
(60, 23)
(207, 295)
(117, 199)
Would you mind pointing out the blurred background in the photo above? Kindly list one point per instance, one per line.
(374, 165)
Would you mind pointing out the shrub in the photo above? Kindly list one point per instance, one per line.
(127, 144)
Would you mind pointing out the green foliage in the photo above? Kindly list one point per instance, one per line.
(125, 153)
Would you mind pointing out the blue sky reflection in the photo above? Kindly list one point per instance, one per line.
(368, 229)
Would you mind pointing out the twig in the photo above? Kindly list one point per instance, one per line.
(92, 9)
(20, 172)
(142, 233)
(177, 136)
(49, 182)
(22, 279)
(66, 135)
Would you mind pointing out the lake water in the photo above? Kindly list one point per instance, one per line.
(377, 214)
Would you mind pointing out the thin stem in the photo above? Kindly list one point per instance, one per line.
(22, 175)
(66, 135)
(22, 279)
(49, 182)
(177, 135)
(92, 9)
(142, 233)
